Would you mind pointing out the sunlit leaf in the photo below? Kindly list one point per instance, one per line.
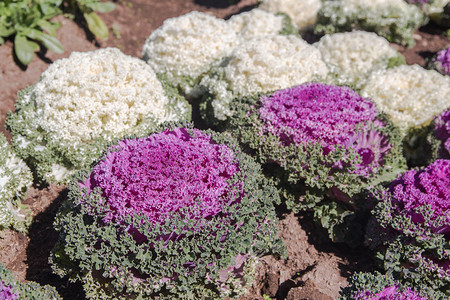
(24, 49)
(96, 25)
(50, 27)
(50, 42)
(103, 7)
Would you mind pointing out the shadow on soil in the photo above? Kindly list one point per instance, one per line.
(216, 3)
(42, 239)
(359, 259)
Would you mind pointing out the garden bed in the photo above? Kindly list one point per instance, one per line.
(315, 268)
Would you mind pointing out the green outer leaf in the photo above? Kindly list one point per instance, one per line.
(29, 290)
(102, 7)
(50, 27)
(5, 31)
(96, 25)
(288, 27)
(376, 282)
(24, 49)
(50, 42)
(50, 9)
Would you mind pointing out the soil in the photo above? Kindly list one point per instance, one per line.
(314, 270)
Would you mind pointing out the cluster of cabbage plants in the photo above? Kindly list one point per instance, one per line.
(160, 209)
(82, 103)
(393, 19)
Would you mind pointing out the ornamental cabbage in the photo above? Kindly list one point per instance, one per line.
(11, 289)
(178, 214)
(352, 56)
(393, 19)
(302, 13)
(184, 48)
(15, 179)
(441, 62)
(325, 143)
(440, 136)
(258, 22)
(390, 293)
(376, 286)
(439, 13)
(6, 292)
(411, 227)
(261, 64)
(84, 102)
(410, 95)
(432, 8)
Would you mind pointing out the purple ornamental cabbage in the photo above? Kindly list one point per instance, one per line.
(167, 172)
(443, 57)
(176, 213)
(413, 190)
(441, 134)
(411, 226)
(329, 115)
(326, 145)
(7, 292)
(441, 62)
(389, 293)
(378, 286)
(11, 289)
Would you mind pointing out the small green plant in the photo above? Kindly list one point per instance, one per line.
(29, 22)
(88, 8)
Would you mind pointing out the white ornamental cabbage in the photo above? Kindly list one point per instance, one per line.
(83, 102)
(261, 64)
(15, 179)
(430, 7)
(410, 95)
(184, 48)
(437, 10)
(258, 22)
(303, 13)
(393, 19)
(352, 56)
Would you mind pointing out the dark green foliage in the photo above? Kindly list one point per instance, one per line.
(416, 148)
(27, 291)
(288, 28)
(376, 282)
(396, 61)
(422, 146)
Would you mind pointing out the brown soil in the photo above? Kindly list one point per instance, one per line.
(314, 270)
